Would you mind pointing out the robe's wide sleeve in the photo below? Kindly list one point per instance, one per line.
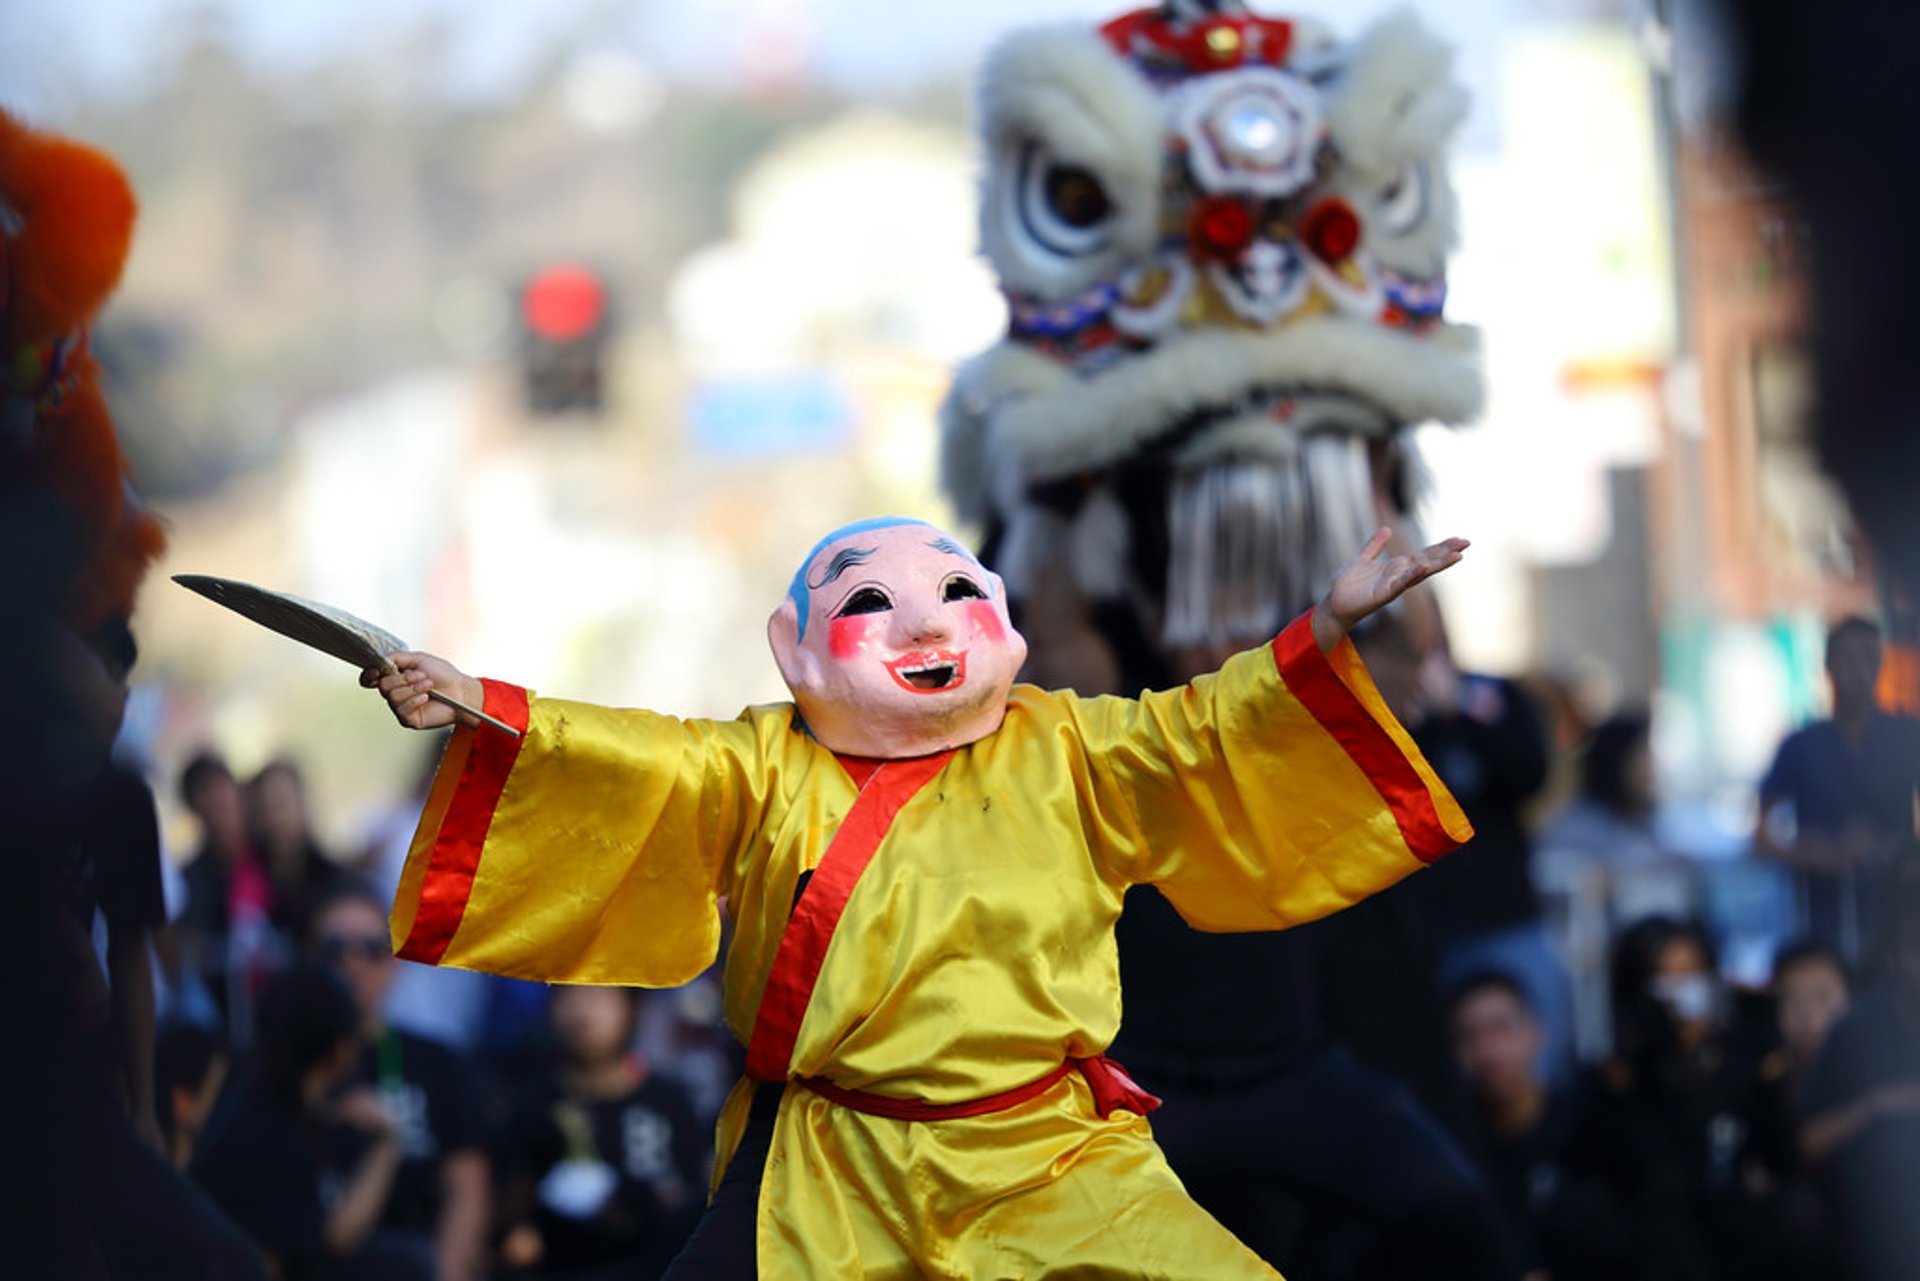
(589, 850)
(1272, 792)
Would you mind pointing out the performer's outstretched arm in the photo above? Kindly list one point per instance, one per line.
(1280, 788)
(588, 845)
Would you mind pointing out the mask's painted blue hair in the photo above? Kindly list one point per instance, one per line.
(802, 595)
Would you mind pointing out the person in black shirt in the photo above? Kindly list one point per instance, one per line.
(264, 1158)
(111, 864)
(1519, 1124)
(281, 829)
(606, 1168)
(1663, 1174)
(1810, 993)
(212, 795)
(84, 1187)
(1377, 964)
(440, 1202)
(190, 1066)
(1848, 783)
(1812, 989)
(1485, 739)
(1862, 1104)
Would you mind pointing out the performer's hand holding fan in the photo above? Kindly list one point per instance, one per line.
(329, 630)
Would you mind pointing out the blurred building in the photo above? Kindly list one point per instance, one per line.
(1649, 521)
(1765, 554)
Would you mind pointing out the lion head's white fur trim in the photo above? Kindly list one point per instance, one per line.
(1001, 375)
(1015, 418)
(1064, 89)
(1396, 97)
(1396, 105)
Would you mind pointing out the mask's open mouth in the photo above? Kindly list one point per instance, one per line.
(929, 673)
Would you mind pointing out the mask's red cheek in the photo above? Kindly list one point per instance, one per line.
(848, 636)
(984, 617)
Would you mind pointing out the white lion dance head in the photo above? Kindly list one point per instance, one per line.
(1223, 242)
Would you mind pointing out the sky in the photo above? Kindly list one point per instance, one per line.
(55, 53)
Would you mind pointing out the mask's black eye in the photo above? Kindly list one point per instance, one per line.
(960, 587)
(868, 600)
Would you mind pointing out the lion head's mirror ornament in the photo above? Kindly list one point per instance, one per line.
(1223, 243)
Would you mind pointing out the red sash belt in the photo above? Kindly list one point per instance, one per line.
(885, 788)
(1112, 1089)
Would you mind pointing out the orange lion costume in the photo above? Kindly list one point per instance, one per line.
(66, 221)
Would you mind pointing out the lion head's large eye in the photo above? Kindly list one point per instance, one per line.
(1403, 202)
(1076, 196)
(1062, 208)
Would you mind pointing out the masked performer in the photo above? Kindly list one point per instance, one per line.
(926, 1093)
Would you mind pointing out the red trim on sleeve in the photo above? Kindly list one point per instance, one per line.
(803, 945)
(456, 847)
(1310, 678)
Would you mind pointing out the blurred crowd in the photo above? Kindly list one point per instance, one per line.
(330, 1111)
(1549, 999)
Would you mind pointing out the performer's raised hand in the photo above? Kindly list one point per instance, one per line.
(408, 689)
(1372, 579)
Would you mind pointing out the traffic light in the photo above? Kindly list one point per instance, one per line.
(564, 326)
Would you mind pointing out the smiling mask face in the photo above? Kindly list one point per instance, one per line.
(896, 642)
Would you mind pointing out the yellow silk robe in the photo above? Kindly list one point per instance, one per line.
(976, 951)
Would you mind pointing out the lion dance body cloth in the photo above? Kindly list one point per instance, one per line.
(1223, 243)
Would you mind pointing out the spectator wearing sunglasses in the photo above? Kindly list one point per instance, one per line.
(266, 1159)
(440, 1199)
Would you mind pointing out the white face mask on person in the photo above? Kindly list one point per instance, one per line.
(896, 641)
(1690, 998)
